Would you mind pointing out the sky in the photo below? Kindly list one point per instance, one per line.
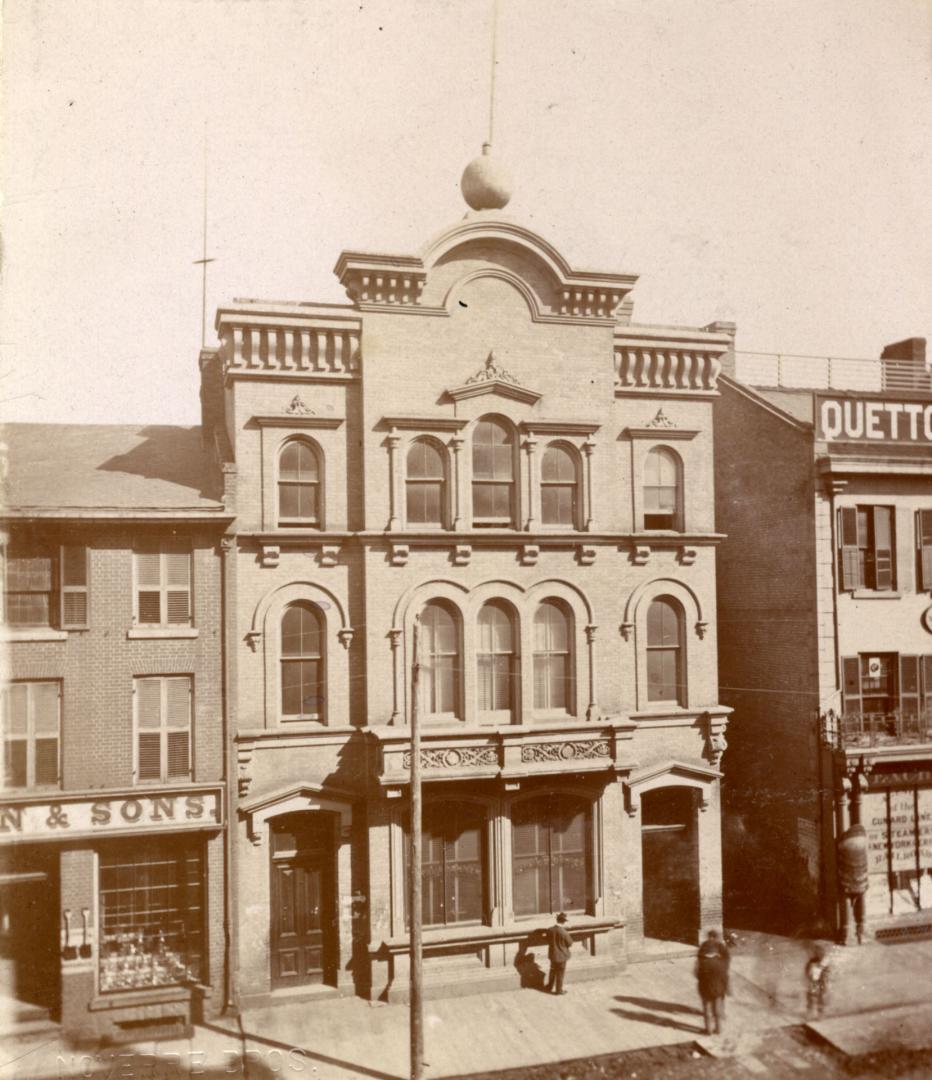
(763, 161)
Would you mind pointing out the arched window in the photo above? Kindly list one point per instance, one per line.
(493, 475)
(302, 663)
(553, 658)
(665, 651)
(453, 888)
(551, 855)
(425, 484)
(441, 664)
(559, 487)
(299, 485)
(495, 655)
(662, 495)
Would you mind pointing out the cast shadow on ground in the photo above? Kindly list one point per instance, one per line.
(660, 1021)
(658, 1006)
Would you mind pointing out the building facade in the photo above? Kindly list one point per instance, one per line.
(480, 443)
(112, 806)
(825, 625)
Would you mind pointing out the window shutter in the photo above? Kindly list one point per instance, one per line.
(924, 544)
(179, 759)
(148, 585)
(883, 547)
(74, 586)
(178, 587)
(150, 756)
(178, 703)
(851, 675)
(848, 548)
(909, 686)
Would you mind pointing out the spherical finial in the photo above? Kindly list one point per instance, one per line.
(485, 185)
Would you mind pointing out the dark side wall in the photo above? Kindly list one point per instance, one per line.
(768, 662)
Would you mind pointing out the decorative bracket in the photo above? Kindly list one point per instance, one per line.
(686, 555)
(461, 554)
(529, 554)
(253, 637)
(346, 636)
(626, 630)
(329, 555)
(270, 554)
(640, 553)
(585, 554)
(398, 555)
(701, 629)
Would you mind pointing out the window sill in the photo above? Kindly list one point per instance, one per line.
(875, 594)
(33, 633)
(143, 633)
(123, 999)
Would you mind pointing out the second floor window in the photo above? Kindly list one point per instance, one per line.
(881, 684)
(31, 727)
(425, 486)
(496, 660)
(661, 489)
(866, 547)
(665, 680)
(46, 586)
(163, 727)
(299, 485)
(558, 487)
(553, 658)
(493, 475)
(440, 663)
(163, 588)
(302, 663)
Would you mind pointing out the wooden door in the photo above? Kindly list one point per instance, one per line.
(302, 923)
(670, 865)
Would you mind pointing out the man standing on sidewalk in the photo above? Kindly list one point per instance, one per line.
(560, 944)
(712, 976)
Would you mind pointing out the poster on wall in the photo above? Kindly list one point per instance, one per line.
(890, 820)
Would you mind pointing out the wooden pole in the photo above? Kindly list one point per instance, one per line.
(414, 863)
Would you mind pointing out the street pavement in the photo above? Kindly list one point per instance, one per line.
(875, 990)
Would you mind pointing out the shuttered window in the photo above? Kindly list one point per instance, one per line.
(924, 549)
(74, 586)
(495, 660)
(866, 548)
(163, 588)
(163, 727)
(31, 726)
(28, 588)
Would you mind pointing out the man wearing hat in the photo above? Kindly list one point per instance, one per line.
(560, 944)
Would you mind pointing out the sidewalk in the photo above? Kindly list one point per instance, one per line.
(651, 1003)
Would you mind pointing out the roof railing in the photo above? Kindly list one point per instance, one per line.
(797, 372)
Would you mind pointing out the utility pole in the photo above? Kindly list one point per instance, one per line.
(202, 262)
(414, 872)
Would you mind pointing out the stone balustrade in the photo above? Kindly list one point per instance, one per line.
(312, 347)
(648, 362)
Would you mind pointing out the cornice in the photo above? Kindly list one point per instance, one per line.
(494, 386)
(297, 421)
(134, 514)
(658, 433)
(559, 427)
(424, 423)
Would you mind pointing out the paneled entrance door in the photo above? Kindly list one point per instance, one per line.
(303, 931)
(671, 864)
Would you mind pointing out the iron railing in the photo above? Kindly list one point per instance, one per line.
(852, 730)
(791, 371)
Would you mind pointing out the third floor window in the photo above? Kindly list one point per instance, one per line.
(866, 548)
(163, 587)
(493, 475)
(46, 586)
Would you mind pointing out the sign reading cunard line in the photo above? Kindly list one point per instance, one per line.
(128, 813)
(873, 420)
(896, 838)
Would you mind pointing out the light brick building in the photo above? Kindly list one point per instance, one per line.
(481, 439)
(825, 628)
(112, 804)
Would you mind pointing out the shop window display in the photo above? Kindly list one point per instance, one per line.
(151, 915)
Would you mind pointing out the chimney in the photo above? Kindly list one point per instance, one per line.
(903, 366)
(727, 358)
(212, 408)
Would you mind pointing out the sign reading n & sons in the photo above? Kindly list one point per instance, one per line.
(850, 419)
(69, 817)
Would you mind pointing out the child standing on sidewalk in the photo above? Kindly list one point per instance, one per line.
(816, 982)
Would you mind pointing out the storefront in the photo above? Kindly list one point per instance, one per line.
(109, 914)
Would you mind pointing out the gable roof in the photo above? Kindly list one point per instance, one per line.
(111, 469)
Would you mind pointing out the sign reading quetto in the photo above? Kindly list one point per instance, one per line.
(850, 419)
(125, 813)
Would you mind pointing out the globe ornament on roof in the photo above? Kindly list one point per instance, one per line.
(485, 184)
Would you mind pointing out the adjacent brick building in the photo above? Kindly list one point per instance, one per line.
(825, 627)
(112, 806)
(481, 441)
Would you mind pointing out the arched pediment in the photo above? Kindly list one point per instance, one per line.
(484, 245)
